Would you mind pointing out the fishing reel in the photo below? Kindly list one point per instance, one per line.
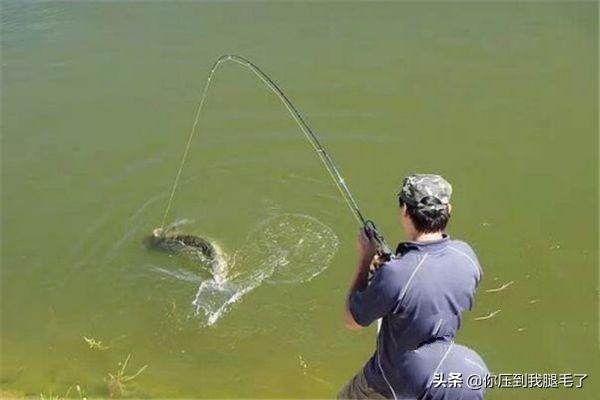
(384, 253)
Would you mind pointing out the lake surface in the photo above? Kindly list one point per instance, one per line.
(97, 102)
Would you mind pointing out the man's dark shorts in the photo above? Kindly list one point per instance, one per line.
(418, 370)
(358, 388)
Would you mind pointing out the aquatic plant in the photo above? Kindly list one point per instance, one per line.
(118, 383)
(95, 344)
(80, 393)
(50, 397)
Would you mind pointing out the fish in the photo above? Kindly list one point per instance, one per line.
(172, 241)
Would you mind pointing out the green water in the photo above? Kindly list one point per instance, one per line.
(97, 100)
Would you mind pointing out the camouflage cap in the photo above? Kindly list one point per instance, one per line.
(426, 191)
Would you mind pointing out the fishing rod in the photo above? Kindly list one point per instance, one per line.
(383, 250)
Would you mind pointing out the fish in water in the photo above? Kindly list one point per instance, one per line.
(175, 242)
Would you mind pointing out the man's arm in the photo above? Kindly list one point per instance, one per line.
(366, 251)
(360, 281)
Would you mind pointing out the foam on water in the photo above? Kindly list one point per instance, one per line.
(214, 298)
(301, 247)
(287, 248)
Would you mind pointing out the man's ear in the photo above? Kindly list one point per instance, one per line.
(449, 208)
(404, 210)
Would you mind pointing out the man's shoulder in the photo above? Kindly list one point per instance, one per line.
(462, 246)
(393, 275)
(465, 251)
(459, 244)
(399, 265)
(405, 259)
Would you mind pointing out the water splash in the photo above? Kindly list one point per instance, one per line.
(287, 248)
(213, 299)
(301, 247)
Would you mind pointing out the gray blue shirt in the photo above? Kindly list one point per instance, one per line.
(420, 296)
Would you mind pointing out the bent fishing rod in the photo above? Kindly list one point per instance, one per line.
(368, 226)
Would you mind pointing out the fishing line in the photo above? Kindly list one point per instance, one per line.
(304, 127)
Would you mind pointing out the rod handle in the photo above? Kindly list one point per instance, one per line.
(383, 250)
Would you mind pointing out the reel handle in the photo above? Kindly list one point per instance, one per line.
(383, 250)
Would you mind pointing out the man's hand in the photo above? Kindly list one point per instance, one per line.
(364, 246)
(366, 251)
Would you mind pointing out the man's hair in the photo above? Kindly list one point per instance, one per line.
(428, 220)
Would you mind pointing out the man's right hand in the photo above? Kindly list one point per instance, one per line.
(365, 247)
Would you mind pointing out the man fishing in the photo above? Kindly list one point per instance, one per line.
(419, 297)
